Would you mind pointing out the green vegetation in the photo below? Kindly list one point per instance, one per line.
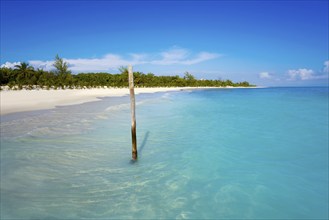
(25, 76)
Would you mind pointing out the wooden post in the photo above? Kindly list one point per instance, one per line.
(133, 115)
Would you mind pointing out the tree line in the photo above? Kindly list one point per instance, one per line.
(25, 76)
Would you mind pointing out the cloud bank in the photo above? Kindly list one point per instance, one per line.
(301, 74)
(326, 66)
(10, 65)
(178, 56)
(309, 74)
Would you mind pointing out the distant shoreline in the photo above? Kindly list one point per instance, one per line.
(13, 101)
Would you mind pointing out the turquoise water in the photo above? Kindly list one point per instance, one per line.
(217, 153)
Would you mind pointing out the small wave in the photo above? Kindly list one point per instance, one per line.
(118, 107)
(124, 106)
(37, 132)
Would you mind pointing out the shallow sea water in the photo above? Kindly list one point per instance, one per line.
(216, 153)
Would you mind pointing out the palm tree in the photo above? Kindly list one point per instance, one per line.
(24, 71)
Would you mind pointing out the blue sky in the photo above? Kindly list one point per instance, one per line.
(274, 43)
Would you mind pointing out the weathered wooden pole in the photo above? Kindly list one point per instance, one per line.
(133, 115)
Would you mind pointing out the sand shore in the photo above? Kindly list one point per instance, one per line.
(29, 100)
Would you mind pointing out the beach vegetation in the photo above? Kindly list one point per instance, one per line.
(61, 66)
(22, 74)
(25, 76)
(63, 73)
(188, 76)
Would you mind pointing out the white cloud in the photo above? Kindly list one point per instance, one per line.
(201, 57)
(108, 62)
(10, 65)
(183, 57)
(139, 58)
(305, 74)
(45, 65)
(309, 74)
(172, 56)
(326, 66)
(265, 75)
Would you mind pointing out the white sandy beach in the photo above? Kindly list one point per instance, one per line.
(29, 100)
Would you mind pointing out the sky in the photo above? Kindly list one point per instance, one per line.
(267, 43)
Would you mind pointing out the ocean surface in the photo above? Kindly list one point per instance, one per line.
(214, 153)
